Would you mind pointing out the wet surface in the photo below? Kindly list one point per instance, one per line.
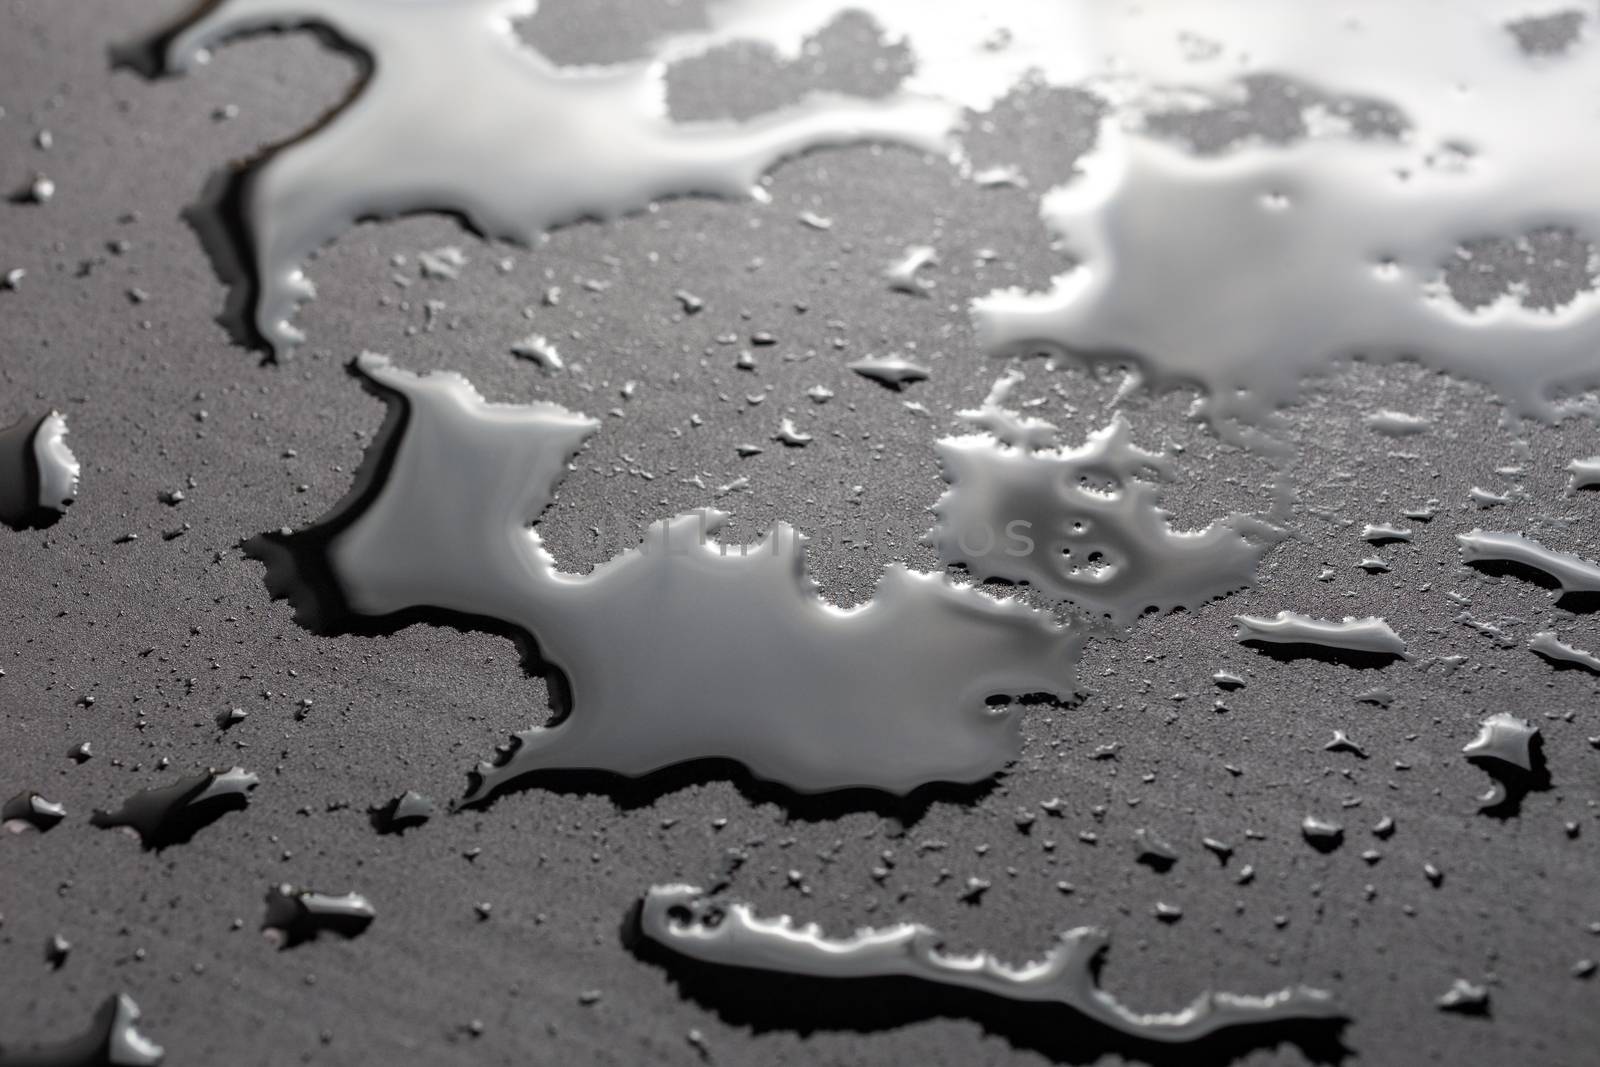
(688, 331)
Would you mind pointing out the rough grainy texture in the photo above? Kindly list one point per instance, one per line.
(165, 634)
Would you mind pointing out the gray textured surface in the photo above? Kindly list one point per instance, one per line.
(165, 634)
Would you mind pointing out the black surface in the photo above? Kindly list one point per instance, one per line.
(166, 634)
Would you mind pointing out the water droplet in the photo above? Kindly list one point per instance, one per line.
(1324, 835)
(112, 1037)
(1484, 498)
(1573, 573)
(1503, 737)
(295, 916)
(1552, 648)
(1370, 634)
(171, 815)
(1585, 473)
(1465, 998)
(443, 264)
(902, 273)
(1341, 743)
(992, 177)
(402, 813)
(1506, 747)
(1152, 851)
(1383, 533)
(1397, 423)
(56, 951)
(39, 191)
(894, 372)
(536, 349)
(790, 435)
(27, 811)
(38, 472)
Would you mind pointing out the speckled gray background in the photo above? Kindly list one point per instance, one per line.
(165, 634)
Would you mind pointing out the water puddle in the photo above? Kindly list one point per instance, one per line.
(680, 920)
(457, 114)
(1415, 230)
(1245, 271)
(1291, 252)
(730, 651)
(1082, 525)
